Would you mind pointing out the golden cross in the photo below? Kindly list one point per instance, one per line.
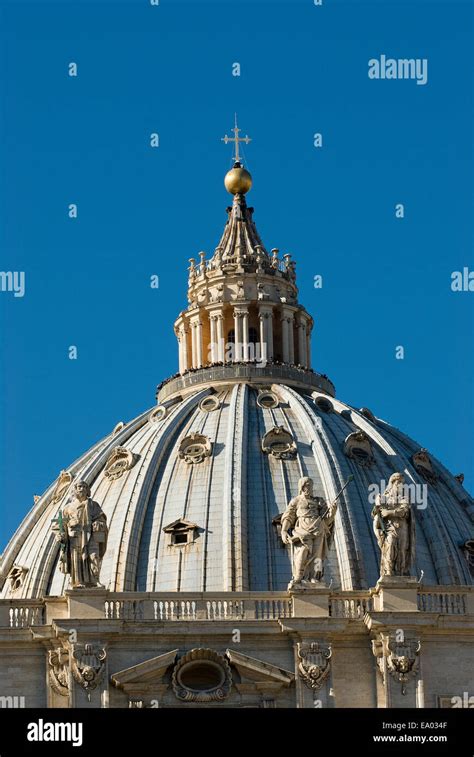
(236, 139)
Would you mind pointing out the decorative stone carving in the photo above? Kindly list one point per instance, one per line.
(314, 663)
(88, 665)
(192, 271)
(422, 462)
(81, 529)
(460, 478)
(194, 448)
(403, 660)
(17, 576)
(357, 446)
(377, 651)
(120, 425)
(120, 460)
(262, 293)
(58, 671)
(36, 498)
(311, 522)
(279, 443)
(401, 657)
(202, 675)
(62, 485)
(394, 528)
(217, 293)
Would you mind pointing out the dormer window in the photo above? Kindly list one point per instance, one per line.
(181, 533)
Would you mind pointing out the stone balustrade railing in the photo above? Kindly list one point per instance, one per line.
(350, 604)
(246, 372)
(234, 606)
(449, 602)
(18, 614)
(21, 613)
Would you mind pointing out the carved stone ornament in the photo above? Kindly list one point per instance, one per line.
(314, 663)
(194, 448)
(401, 657)
(403, 660)
(120, 425)
(62, 485)
(158, 414)
(58, 670)
(16, 577)
(279, 443)
(357, 446)
(422, 462)
(120, 460)
(202, 675)
(88, 665)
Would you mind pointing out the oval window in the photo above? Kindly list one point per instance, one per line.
(267, 400)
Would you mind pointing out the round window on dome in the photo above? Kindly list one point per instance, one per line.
(208, 404)
(267, 400)
(324, 405)
(158, 414)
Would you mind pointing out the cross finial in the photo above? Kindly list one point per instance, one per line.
(236, 139)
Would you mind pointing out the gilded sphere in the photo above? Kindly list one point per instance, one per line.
(237, 181)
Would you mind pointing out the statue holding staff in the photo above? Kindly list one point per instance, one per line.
(311, 522)
(394, 527)
(82, 532)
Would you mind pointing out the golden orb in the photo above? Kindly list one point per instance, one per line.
(237, 180)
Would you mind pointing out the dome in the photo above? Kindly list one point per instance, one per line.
(193, 490)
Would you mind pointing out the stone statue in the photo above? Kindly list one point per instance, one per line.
(82, 531)
(311, 522)
(394, 527)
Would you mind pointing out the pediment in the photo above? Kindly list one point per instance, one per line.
(149, 671)
(253, 669)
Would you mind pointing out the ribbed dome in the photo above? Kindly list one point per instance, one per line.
(193, 488)
(229, 497)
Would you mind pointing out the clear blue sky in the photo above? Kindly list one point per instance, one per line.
(168, 69)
